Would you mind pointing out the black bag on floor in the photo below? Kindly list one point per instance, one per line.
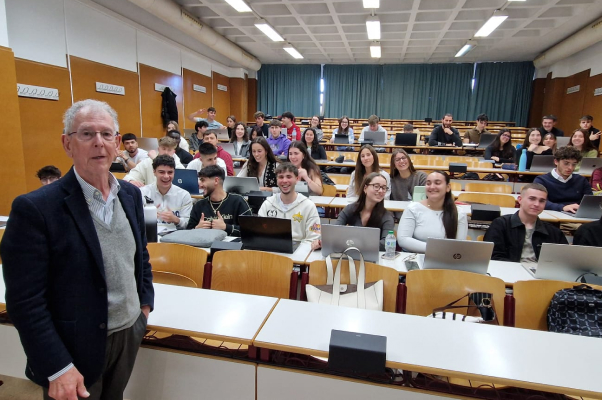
(577, 311)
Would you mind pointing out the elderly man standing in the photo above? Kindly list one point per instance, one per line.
(78, 279)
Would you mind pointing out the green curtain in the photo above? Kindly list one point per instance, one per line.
(352, 90)
(503, 91)
(287, 87)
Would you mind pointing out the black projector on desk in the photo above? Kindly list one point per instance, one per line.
(484, 212)
(358, 353)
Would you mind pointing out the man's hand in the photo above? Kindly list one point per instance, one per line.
(572, 208)
(203, 224)
(137, 183)
(595, 136)
(303, 175)
(168, 216)
(448, 131)
(316, 244)
(68, 386)
(145, 310)
(124, 154)
(218, 223)
(152, 154)
(496, 159)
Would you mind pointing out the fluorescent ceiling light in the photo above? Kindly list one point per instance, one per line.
(466, 48)
(268, 31)
(375, 50)
(292, 51)
(239, 5)
(371, 3)
(496, 19)
(373, 28)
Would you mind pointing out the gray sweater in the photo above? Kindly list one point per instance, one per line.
(403, 189)
(347, 217)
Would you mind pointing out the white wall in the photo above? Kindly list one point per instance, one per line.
(590, 58)
(3, 26)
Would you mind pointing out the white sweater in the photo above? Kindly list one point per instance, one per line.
(418, 223)
(351, 194)
(176, 200)
(197, 165)
(143, 172)
(302, 212)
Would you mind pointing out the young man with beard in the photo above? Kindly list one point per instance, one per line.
(218, 210)
(445, 133)
(132, 155)
(143, 173)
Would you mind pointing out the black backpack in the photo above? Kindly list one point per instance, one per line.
(577, 311)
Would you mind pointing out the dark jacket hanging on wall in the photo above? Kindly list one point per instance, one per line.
(169, 110)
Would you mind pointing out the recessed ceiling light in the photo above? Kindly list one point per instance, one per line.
(239, 5)
(268, 31)
(371, 3)
(292, 51)
(373, 28)
(496, 19)
(375, 50)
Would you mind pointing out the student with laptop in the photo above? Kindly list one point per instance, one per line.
(261, 165)
(369, 209)
(240, 139)
(550, 141)
(308, 170)
(367, 162)
(173, 203)
(474, 135)
(294, 206)
(565, 189)
(207, 156)
(445, 134)
(373, 126)
(434, 217)
(278, 141)
(580, 141)
(343, 129)
(311, 141)
(211, 137)
(143, 174)
(501, 150)
(518, 237)
(197, 137)
(404, 177)
(185, 156)
(589, 234)
(132, 155)
(211, 122)
(218, 209)
(534, 145)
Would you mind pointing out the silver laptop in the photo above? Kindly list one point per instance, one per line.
(228, 147)
(461, 255)
(221, 133)
(302, 187)
(590, 207)
(241, 185)
(542, 163)
(148, 144)
(376, 137)
(562, 141)
(588, 165)
(336, 238)
(563, 262)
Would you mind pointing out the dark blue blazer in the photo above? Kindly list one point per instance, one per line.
(56, 294)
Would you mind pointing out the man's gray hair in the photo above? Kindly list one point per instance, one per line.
(95, 105)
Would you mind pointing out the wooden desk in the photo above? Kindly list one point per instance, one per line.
(497, 354)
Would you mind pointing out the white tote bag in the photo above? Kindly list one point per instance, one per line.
(357, 294)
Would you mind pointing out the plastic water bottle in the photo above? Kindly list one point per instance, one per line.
(522, 164)
(150, 220)
(392, 140)
(390, 243)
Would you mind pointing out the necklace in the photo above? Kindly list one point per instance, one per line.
(220, 204)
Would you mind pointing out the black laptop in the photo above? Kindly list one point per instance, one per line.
(405, 139)
(341, 139)
(267, 234)
(186, 179)
(486, 139)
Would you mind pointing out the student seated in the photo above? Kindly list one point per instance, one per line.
(240, 138)
(501, 150)
(207, 156)
(261, 128)
(343, 129)
(310, 140)
(316, 125)
(474, 135)
(173, 203)
(184, 155)
(278, 141)
(293, 132)
(294, 206)
(534, 145)
(367, 162)
(549, 140)
(211, 137)
(580, 141)
(211, 113)
(218, 209)
(369, 209)
(445, 134)
(518, 237)
(565, 189)
(373, 126)
(309, 171)
(132, 155)
(261, 165)
(173, 126)
(197, 137)
(143, 174)
(404, 177)
(48, 174)
(436, 216)
(589, 234)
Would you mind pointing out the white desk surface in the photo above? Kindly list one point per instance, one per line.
(342, 202)
(497, 354)
(322, 201)
(341, 188)
(299, 255)
(562, 217)
(3, 218)
(210, 314)
(396, 205)
(456, 193)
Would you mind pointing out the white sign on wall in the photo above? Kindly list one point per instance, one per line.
(111, 89)
(199, 88)
(222, 87)
(159, 87)
(37, 92)
(598, 91)
(573, 89)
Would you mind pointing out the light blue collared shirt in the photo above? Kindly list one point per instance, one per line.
(96, 203)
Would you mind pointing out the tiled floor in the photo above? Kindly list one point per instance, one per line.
(19, 389)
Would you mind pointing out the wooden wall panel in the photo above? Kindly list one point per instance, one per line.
(252, 99)
(195, 100)
(221, 99)
(238, 98)
(150, 102)
(592, 105)
(41, 120)
(572, 104)
(12, 163)
(537, 99)
(552, 103)
(85, 74)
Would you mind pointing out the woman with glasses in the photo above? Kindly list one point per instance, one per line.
(501, 150)
(367, 162)
(404, 176)
(316, 125)
(369, 209)
(343, 129)
(434, 217)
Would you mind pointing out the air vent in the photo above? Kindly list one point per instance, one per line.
(191, 18)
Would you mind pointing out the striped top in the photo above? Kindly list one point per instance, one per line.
(96, 204)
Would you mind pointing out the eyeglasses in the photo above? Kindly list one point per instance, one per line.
(378, 187)
(86, 136)
(400, 159)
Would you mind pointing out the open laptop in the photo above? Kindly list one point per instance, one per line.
(590, 207)
(588, 165)
(186, 179)
(221, 133)
(229, 148)
(148, 144)
(563, 262)
(302, 187)
(341, 139)
(461, 255)
(336, 238)
(377, 138)
(562, 141)
(267, 234)
(486, 139)
(406, 139)
(542, 163)
(241, 185)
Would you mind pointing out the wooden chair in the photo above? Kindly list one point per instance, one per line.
(431, 288)
(340, 179)
(374, 272)
(480, 238)
(254, 272)
(329, 190)
(487, 187)
(177, 264)
(456, 186)
(502, 200)
(384, 158)
(532, 299)
(119, 175)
